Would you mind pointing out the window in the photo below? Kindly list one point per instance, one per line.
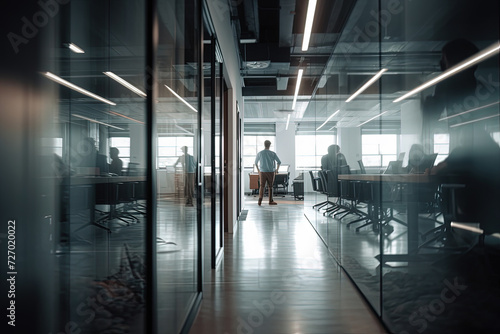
(252, 145)
(441, 146)
(169, 149)
(123, 145)
(310, 148)
(496, 137)
(378, 150)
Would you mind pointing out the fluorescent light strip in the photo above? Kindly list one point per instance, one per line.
(287, 121)
(468, 111)
(75, 87)
(371, 119)
(297, 87)
(180, 98)
(473, 121)
(480, 56)
(120, 115)
(367, 84)
(98, 122)
(75, 48)
(311, 8)
(329, 118)
(125, 83)
(333, 127)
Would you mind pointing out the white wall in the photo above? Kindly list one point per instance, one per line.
(349, 140)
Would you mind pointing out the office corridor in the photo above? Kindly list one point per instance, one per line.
(277, 277)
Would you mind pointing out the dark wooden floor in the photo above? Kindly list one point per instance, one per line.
(277, 277)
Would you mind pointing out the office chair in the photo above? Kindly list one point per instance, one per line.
(317, 187)
(281, 180)
(362, 169)
(330, 182)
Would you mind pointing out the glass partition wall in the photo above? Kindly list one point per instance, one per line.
(413, 100)
(91, 197)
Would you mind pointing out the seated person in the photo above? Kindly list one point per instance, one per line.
(415, 157)
(333, 159)
(116, 165)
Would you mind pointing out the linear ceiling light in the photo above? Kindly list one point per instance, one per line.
(468, 111)
(367, 84)
(371, 119)
(75, 48)
(297, 87)
(121, 115)
(98, 122)
(75, 87)
(287, 122)
(125, 83)
(180, 98)
(473, 121)
(329, 118)
(311, 8)
(478, 57)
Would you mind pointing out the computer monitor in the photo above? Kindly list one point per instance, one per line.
(285, 168)
(401, 156)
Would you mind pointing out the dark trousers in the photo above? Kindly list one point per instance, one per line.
(266, 177)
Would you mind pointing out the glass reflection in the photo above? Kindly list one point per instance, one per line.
(178, 164)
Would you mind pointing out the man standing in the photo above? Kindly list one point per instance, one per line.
(267, 170)
(189, 169)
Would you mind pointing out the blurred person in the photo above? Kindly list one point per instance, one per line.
(267, 170)
(189, 169)
(116, 165)
(333, 159)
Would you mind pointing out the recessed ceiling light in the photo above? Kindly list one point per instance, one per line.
(297, 87)
(311, 9)
(75, 48)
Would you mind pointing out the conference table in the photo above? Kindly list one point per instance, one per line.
(412, 185)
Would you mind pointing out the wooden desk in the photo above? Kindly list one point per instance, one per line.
(412, 181)
(254, 180)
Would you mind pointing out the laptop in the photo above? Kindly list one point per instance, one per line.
(426, 162)
(394, 167)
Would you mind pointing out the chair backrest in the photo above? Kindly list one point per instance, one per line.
(323, 181)
(332, 181)
(313, 181)
(361, 167)
(344, 169)
(132, 169)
